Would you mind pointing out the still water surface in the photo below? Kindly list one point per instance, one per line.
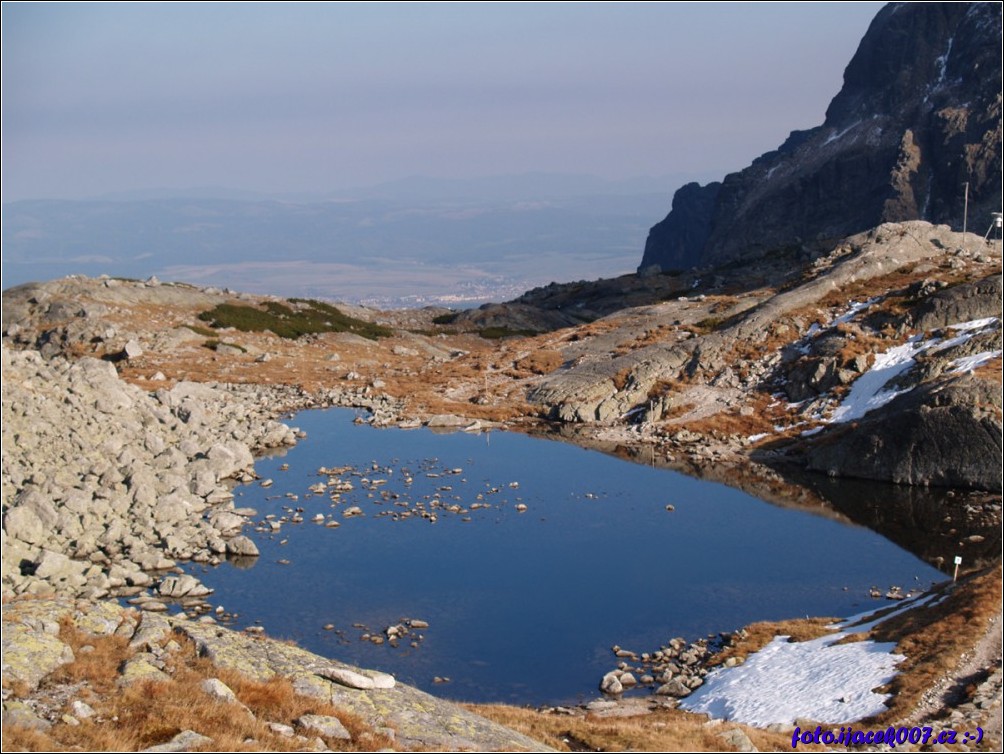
(524, 607)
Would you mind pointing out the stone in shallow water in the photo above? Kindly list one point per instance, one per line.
(242, 546)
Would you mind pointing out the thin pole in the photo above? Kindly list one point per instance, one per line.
(965, 216)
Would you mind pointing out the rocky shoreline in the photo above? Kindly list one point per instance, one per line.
(34, 648)
(106, 484)
(106, 489)
(115, 473)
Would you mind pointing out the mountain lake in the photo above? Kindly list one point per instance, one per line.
(523, 606)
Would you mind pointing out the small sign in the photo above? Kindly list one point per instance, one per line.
(958, 560)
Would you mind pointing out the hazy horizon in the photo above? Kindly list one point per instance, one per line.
(560, 130)
(302, 99)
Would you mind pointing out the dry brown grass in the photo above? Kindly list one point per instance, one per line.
(151, 712)
(991, 371)
(663, 730)
(543, 361)
(620, 379)
(732, 423)
(759, 635)
(934, 638)
(658, 334)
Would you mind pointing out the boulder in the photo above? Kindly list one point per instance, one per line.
(946, 433)
(242, 547)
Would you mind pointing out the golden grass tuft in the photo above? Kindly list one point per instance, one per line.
(152, 712)
(98, 666)
(991, 371)
(759, 635)
(663, 730)
(543, 361)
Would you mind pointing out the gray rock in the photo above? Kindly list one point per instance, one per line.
(945, 433)
(184, 741)
(242, 547)
(20, 714)
(324, 725)
(219, 690)
(30, 654)
(447, 421)
(140, 667)
(960, 303)
(354, 680)
(150, 632)
(281, 729)
(82, 710)
(675, 687)
(611, 684)
(132, 350)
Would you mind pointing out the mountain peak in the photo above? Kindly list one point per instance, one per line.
(918, 116)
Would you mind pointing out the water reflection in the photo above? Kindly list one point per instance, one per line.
(528, 558)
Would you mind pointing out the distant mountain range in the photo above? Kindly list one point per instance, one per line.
(413, 241)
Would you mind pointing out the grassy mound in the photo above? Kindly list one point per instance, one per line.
(305, 317)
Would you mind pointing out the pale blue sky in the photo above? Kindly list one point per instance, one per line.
(314, 97)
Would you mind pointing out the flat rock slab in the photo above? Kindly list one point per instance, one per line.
(32, 649)
(420, 719)
(31, 645)
(324, 725)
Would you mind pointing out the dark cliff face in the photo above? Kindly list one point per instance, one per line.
(918, 116)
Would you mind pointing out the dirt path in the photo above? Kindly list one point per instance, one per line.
(951, 700)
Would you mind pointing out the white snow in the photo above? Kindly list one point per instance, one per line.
(856, 307)
(852, 312)
(969, 363)
(974, 324)
(869, 390)
(819, 679)
(836, 135)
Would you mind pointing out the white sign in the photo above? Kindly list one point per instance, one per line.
(958, 560)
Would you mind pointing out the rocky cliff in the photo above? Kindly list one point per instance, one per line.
(919, 115)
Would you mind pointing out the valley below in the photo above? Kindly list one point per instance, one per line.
(131, 408)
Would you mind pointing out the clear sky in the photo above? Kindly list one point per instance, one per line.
(313, 97)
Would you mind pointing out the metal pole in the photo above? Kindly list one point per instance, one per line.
(965, 216)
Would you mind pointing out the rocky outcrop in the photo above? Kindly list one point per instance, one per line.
(607, 389)
(938, 435)
(34, 646)
(918, 116)
(678, 241)
(104, 483)
(960, 303)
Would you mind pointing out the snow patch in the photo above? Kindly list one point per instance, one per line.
(974, 324)
(869, 390)
(855, 308)
(841, 134)
(970, 363)
(819, 679)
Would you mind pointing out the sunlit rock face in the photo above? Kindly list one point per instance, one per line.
(918, 117)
